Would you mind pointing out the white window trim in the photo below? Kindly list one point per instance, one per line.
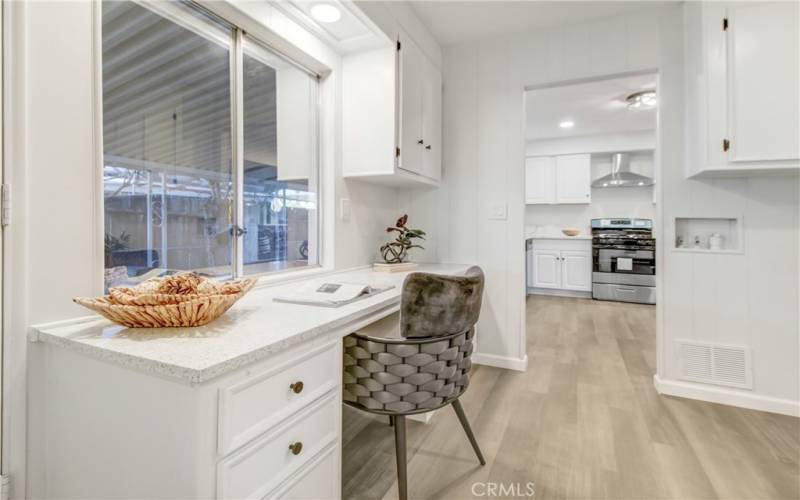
(325, 177)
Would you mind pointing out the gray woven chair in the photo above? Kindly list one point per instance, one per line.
(417, 360)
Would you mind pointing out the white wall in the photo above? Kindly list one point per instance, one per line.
(606, 203)
(597, 143)
(484, 150)
(751, 299)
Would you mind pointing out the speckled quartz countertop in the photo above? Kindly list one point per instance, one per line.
(254, 328)
(553, 233)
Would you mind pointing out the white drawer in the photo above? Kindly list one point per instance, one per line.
(252, 406)
(259, 467)
(316, 481)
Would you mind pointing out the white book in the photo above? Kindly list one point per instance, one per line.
(329, 294)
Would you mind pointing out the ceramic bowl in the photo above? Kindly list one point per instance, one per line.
(571, 232)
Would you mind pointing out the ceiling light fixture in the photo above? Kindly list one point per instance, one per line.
(326, 13)
(566, 124)
(645, 99)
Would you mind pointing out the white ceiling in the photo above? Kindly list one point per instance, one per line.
(595, 107)
(457, 21)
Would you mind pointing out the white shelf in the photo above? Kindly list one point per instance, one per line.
(708, 250)
(689, 228)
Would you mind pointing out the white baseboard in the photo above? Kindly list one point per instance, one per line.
(501, 361)
(560, 293)
(725, 396)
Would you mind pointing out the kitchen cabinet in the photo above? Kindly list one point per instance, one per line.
(564, 179)
(546, 268)
(392, 116)
(540, 180)
(573, 179)
(558, 264)
(576, 270)
(743, 75)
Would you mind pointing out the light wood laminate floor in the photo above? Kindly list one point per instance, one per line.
(583, 422)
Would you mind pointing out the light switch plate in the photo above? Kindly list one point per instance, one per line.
(498, 210)
(344, 212)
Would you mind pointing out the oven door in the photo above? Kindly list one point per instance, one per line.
(616, 260)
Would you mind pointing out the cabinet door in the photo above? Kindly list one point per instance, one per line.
(540, 182)
(411, 90)
(573, 179)
(763, 81)
(546, 269)
(431, 121)
(576, 270)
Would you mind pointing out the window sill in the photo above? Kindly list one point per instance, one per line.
(272, 279)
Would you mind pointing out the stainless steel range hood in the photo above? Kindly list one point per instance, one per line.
(621, 175)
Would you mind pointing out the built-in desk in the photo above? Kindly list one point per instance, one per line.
(247, 406)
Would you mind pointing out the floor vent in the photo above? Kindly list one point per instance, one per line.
(715, 364)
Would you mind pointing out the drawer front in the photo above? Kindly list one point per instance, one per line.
(251, 407)
(262, 465)
(317, 481)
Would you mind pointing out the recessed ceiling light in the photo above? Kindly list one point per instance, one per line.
(566, 124)
(642, 100)
(326, 13)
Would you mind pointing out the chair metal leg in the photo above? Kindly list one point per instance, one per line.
(462, 417)
(400, 450)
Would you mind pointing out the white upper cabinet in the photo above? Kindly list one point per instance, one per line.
(392, 116)
(573, 179)
(743, 71)
(540, 180)
(563, 179)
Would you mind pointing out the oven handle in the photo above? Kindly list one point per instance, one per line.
(625, 289)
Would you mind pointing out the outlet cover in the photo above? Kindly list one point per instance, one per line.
(344, 212)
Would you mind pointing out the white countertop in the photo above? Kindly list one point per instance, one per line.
(553, 233)
(255, 327)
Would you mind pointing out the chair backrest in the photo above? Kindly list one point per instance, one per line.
(433, 305)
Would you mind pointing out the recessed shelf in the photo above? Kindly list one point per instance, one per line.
(711, 235)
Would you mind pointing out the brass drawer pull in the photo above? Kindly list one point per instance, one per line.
(297, 387)
(296, 448)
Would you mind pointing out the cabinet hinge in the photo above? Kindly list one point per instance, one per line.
(726, 144)
(725, 24)
(398, 45)
(5, 205)
(397, 152)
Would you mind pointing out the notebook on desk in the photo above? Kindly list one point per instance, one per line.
(329, 294)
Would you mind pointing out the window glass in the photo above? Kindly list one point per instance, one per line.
(172, 190)
(280, 181)
(167, 142)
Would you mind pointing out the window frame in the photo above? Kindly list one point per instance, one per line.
(236, 68)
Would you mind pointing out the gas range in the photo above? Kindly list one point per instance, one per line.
(624, 263)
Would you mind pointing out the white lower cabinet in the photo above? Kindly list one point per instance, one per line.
(282, 451)
(576, 270)
(546, 269)
(560, 265)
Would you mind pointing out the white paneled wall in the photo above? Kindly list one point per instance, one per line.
(484, 83)
(749, 299)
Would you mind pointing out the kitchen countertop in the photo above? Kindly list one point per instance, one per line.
(254, 328)
(553, 233)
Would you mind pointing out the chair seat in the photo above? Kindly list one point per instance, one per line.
(386, 329)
